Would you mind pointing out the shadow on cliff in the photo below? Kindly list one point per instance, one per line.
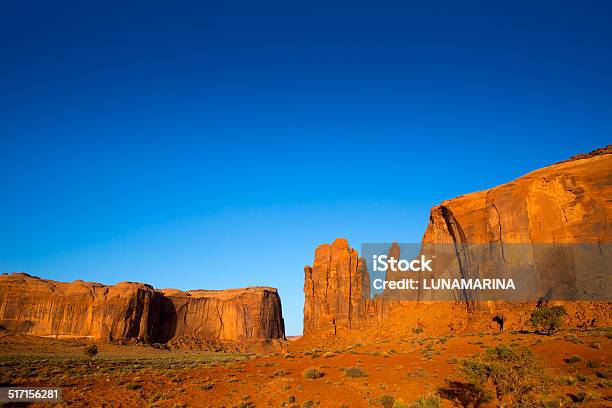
(167, 321)
(464, 394)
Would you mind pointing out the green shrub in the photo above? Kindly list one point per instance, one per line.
(432, 401)
(91, 351)
(313, 373)
(593, 364)
(279, 373)
(513, 370)
(417, 330)
(573, 359)
(596, 346)
(386, 401)
(548, 319)
(400, 403)
(355, 372)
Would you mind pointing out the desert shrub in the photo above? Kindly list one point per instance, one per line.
(91, 351)
(548, 319)
(513, 370)
(596, 346)
(573, 339)
(400, 403)
(431, 401)
(288, 355)
(133, 386)
(355, 372)
(417, 330)
(573, 359)
(308, 404)
(244, 404)
(328, 354)
(156, 397)
(313, 373)
(279, 373)
(593, 364)
(567, 380)
(386, 401)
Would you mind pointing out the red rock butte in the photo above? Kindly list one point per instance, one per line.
(137, 311)
(565, 203)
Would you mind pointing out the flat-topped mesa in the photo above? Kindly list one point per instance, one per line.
(77, 309)
(137, 311)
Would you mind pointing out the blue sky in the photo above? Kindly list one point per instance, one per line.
(198, 146)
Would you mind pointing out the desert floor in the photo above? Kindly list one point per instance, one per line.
(578, 362)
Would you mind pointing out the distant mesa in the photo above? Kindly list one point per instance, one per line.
(137, 311)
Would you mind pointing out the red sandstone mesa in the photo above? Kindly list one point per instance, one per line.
(130, 310)
(568, 202)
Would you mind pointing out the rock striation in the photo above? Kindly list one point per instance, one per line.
(137, 311)
(253, 313)
(523, 225)
(334, 289)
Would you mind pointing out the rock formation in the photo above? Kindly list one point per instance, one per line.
(137, 311)
(522, 225)
(334, 288)
(234, 314)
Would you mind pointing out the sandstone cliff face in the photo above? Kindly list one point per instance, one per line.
(334, 289)
(526, 225)
(234, 314)
(568, 202)
(523, 224)
(137, 311)
(47, 308)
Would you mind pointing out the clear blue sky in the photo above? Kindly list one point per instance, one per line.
(195, 146)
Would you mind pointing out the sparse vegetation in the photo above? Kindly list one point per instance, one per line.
(91, 351)
(573, 359)
(596, 346)
(313, 373)
(593, 364)
(279, 373)
(431, 401)
(355, 372)
(548, 319)
(132, 386)
(386, 400)
(207, 386)
(513, 370)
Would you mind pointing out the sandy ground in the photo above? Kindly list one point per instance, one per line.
(140, 376)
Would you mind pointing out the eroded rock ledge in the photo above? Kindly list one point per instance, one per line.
(137, 311)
